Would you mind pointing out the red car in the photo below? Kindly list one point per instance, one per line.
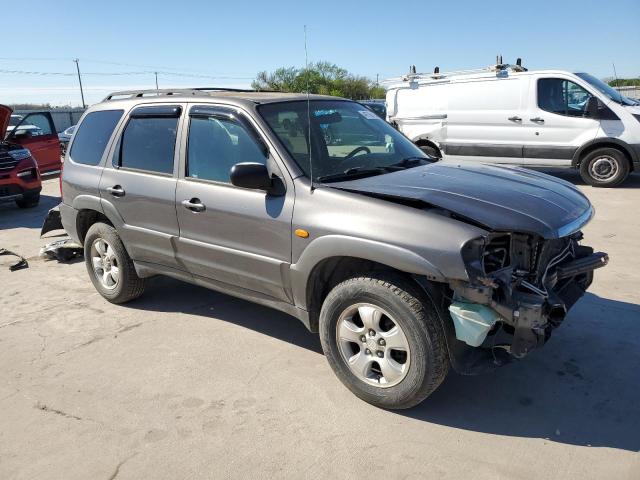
(28, 147)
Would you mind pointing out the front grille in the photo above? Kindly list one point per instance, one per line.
(7, 162)
(10, 190)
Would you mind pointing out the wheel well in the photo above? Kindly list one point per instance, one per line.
(596, 146)
(332, 271)
(85, 219)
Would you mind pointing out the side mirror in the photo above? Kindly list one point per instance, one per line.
(592, 108)
(251, 175)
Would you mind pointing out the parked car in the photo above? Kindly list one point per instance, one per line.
(509, 115)
(65, 137)
(19, 175)
(404, 266)
(376, 106)
(36, 132)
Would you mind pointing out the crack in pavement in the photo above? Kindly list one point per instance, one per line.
(117, 470)
(44, 408)
(101, 337)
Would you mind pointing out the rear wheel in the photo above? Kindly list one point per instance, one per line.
(110, 268)
(28, 201)
(384, 341)
(604, 167)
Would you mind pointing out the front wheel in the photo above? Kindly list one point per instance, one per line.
(110, 268)
(383, 339)
(28, 201)
(604, 167)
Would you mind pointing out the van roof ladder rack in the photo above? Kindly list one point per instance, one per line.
(437, 75)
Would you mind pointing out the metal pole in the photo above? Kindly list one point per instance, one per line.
(84, 105)
(156, 74)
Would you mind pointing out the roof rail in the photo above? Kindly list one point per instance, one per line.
(124, 94)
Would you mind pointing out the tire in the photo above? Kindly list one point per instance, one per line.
(402, 303)
(431, 151)
(116, 288)
(29, 201)
(604, 167)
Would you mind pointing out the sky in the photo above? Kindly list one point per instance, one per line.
(120, 44)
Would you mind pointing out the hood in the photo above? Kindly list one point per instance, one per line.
(5, 115)
(634, 109)
(499, 198)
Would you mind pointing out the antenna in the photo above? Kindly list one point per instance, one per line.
(306, 69)
(615, 75)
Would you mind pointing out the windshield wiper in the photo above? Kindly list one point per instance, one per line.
(408, 162)
(354, 172)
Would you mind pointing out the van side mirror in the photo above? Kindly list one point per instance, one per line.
(592, 108)
(251, 175)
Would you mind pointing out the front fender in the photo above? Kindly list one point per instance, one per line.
(330, 246)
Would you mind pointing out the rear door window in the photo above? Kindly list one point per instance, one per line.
(93, 135)
(149, 140)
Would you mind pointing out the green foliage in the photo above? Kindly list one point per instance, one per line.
(625, 82)
(324, 78)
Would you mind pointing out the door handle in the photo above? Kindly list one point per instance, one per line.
(195, 205)
(515, 119)
(116, 191)
(537, 119)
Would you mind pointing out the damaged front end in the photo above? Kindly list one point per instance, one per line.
(520, 288)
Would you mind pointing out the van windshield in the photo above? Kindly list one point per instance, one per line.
(348, 140)
(607, 90)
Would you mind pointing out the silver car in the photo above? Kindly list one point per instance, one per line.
(405, 267)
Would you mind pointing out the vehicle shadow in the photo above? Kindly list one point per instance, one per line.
(581, 388)
(13, 217)
(164, 294)
(573, 176)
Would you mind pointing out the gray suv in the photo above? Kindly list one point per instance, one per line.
(406, 267)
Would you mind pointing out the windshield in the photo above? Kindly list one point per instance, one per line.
(347, 139)
(609, 91)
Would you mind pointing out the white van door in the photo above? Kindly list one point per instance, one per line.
(484, 119)
(556, 124)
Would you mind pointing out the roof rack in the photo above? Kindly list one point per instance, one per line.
(124, 94)
(437, 75)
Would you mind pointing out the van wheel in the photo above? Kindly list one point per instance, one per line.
(109, 265)
(604, 167)
(29, 201)
(431, 151)
(383, 339)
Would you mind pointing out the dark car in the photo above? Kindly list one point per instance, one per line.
(376, 106)
(406, 267)
(65, 137)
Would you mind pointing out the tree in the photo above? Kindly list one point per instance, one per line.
(324, 78)
(625, 82)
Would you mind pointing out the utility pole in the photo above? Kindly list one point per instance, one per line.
(156, 74)
(377, 84)
(84, 105)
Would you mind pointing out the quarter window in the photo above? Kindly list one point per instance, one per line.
(216, 145)
(93, 135)
(148, 143)
(562, 97)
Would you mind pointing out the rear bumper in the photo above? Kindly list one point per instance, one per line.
(68, 217)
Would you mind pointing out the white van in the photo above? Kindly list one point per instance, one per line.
(506, 114)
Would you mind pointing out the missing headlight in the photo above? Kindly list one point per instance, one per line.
(496, 254)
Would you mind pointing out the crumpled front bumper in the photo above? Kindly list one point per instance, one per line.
(526, 318)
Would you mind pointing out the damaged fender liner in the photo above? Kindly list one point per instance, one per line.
(531, 283)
